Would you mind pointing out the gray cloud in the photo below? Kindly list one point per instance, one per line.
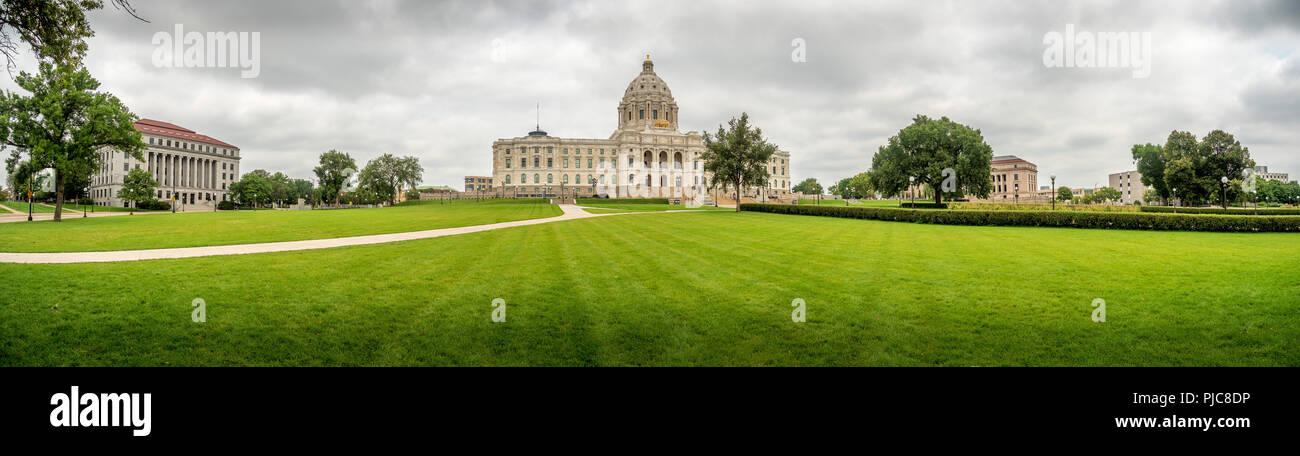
(442, 80)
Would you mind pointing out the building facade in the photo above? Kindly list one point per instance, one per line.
(646, 156)
(1129, 184)
(195, 169)
(1261, 172)
(1014, 179)
(478, 184)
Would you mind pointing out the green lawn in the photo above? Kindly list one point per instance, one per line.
(127, 232)
(684, 289)
(619, 208)
(37, 208)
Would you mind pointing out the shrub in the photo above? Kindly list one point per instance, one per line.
(1066, 219)
(623, 200)
(923, 205)
(226, 206)
(1221, 211)
(1042, 207)
(154, 205)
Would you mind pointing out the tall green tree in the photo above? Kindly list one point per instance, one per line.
(924, 149)
(1195, 168)
(1150, 160)
(1064, 194)
(64, 123)
(384, 176)
(860, 185)
(55, 29)
(252, 189)
(138, 185)
(737, 156)
(806, 186)
(335, 169)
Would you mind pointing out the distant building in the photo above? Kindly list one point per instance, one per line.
(194, 169)
(1262, 173)
(1014, 179)
(478, 183)
(646, 156)
(1129, 184)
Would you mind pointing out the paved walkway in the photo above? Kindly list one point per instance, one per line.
(571, 212)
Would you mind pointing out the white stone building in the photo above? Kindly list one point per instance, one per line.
(197, 169)
(646, 156)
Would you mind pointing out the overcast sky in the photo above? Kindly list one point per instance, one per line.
(441, 80)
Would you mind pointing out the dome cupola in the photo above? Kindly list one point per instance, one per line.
(647, 103)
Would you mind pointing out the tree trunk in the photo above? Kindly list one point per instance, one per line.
(938, 197)
(58, 196)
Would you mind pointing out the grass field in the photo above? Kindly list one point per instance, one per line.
(684, 289)
(37, 208)
(242, 227)
(619, 208)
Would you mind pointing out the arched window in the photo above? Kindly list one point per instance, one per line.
(523, 178)
(602, 179)
(507, 178)
(663, 181)
(537, 179)
(577, 179)
(566, 178)
(678, 181)
(631, 179)
(549, 179)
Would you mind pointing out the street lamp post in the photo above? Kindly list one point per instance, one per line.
(1053, 193)
(1017, 193)
(1223, 185)
(29, 195)
(911, 189)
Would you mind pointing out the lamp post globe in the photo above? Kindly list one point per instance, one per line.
(1053, 191)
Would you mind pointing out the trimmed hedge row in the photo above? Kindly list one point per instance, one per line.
(924, 205)
(623, 200)
(1221, 211)
(1065, 219)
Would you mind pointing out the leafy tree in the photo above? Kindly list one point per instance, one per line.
(1064, 194)
(302, 188)
(924, 149)
(137, 186)
(385, 175)
(1152, 196)
(55, 29)
(4, 195)
(335, 169)
(806, 187)
(252, 189)
(1106, 194)
(1150, 160)
(1195, 168)
(64, 124)
(737, 156)
(860, 185)
(1225, 157)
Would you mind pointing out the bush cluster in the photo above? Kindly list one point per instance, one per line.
(154, 205)
(911, 205)
(988, 206)
(226, 206)
(1066, 219)
(1221, 211)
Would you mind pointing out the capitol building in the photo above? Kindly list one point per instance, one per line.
(646, 156)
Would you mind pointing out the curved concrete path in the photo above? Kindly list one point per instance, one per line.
(571, 212)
